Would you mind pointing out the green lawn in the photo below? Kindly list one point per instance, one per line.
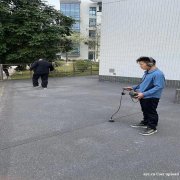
(22, 75)
(62, 69)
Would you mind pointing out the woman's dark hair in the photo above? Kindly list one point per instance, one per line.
(146, 60)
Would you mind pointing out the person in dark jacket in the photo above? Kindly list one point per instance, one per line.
(41, 69)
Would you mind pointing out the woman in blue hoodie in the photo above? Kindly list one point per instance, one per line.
(148, 93)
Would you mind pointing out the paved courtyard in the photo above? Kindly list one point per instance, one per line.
(63, 133)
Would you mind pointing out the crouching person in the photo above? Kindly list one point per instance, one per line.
(41, 69)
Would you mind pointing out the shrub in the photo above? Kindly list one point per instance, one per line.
(59, 63)
(95, 65)
(82, 65)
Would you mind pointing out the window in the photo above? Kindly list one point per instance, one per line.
(100, 6)
(91, 55)
(76, 50)
(92, 34)
(92, 45)
(92, 11)
(72, 10)
(92, 22)
(76, 27)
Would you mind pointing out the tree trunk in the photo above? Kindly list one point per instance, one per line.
(66, 57)
(1, 72)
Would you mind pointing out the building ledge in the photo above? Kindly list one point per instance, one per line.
(96, 1)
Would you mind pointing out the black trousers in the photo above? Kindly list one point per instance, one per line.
(44, 80)
(148, 107)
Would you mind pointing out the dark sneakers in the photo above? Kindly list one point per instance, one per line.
(141, 125)
(148, 131)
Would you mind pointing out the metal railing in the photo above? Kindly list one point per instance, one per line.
(61, 69)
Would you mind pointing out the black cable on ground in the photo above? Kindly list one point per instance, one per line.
(123, 93)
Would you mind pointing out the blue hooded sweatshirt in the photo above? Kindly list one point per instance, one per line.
(152, 84)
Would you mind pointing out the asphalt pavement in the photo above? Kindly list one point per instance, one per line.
(63, 133)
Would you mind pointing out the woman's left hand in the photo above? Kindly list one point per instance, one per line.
(139, 95)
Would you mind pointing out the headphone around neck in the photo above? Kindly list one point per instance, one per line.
(151, 62)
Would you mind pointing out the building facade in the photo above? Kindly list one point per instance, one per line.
(87, 14)
(131, 29)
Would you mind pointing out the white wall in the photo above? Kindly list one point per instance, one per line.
(84, 24)
(134, 28)
(85, 5)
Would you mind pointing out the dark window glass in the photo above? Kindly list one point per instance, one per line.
(92, 22)
(100, 6)
(91, 56)
(92, 33)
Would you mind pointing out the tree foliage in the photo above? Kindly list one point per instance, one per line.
(30, 29)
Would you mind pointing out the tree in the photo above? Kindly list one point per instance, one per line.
(4, 13)
(66, 46)
(30, 30)
(70, 41)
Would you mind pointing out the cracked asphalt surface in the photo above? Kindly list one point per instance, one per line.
(63, 133)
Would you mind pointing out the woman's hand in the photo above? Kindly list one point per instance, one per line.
(139, 95)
